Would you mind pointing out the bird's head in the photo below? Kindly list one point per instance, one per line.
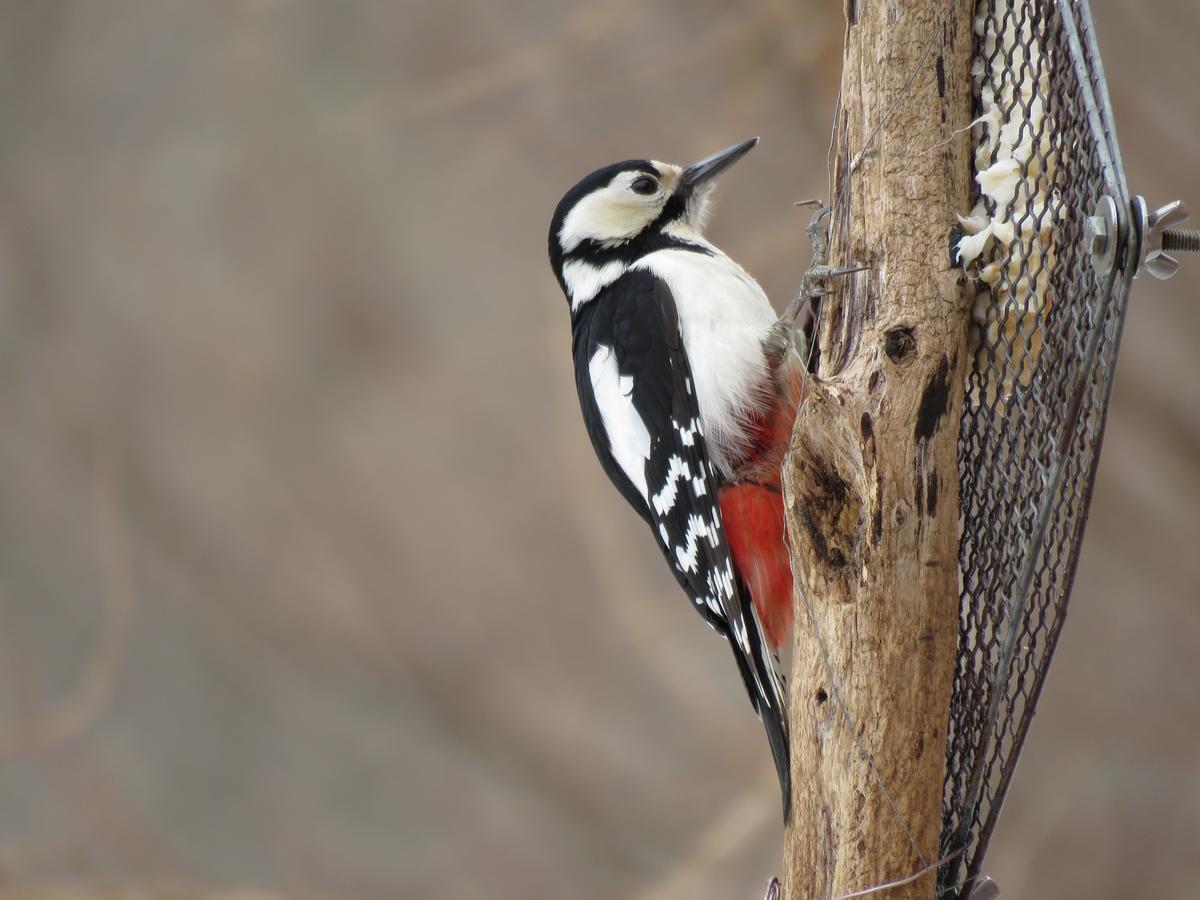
(621, 212)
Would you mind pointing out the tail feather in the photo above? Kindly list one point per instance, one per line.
(766, 689)
(775, 721)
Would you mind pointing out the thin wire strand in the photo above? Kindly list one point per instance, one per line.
(940, 26)
(900, 882)
(837, 111)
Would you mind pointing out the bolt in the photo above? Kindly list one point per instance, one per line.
(1095, 235)
(1100, 235)
(1186, 240)
(1158, 234)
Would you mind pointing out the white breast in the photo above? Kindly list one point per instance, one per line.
(724, 316)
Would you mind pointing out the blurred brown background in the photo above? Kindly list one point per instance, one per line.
(309, 583)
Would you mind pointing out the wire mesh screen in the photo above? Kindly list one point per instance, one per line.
(1046, 326)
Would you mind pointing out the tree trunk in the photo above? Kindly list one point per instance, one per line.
(871, 482)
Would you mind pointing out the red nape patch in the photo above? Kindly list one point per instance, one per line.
(754, 527)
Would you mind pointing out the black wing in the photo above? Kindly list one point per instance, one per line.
(635, 391)
(639, 404)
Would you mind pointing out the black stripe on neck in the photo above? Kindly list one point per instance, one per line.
(629, 252)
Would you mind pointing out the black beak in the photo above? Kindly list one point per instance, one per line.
(711, 166)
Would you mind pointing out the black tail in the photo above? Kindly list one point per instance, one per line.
(775, 722)
(766, 689)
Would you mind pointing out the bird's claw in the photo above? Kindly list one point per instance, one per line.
(812, 285)
(818, 234)
(773, 890)
(801, 314)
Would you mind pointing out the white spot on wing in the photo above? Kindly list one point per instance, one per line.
(714, 529)
(628, 439)
(687, 436)
(739, 633)
(725, 580)
(664, 500)
(686, 555)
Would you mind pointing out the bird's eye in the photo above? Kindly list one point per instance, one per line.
(644, 185)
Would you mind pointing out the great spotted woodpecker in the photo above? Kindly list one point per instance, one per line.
(689, 386)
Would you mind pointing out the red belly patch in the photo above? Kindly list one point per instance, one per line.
(754, 527)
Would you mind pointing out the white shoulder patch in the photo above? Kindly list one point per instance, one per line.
(628, 437)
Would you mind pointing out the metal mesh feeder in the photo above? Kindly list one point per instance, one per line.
(1052, 246)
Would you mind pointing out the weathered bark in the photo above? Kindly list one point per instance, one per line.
(871, 478)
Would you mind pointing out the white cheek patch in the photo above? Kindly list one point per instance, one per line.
(606, 217)
(609, 215)
(628, 438)
(585, 281)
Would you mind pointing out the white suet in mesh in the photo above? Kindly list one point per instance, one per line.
(1008, 240)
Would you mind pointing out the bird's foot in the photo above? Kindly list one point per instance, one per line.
(774, 890)
(800, 318)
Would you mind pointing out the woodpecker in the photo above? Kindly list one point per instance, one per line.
(689, 385)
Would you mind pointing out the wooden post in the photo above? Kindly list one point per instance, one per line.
(871, 481)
